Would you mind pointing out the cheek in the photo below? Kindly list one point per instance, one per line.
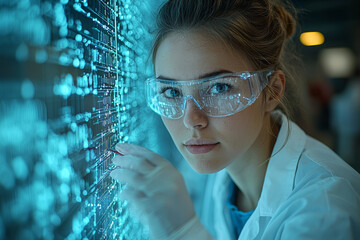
(240, 130)
(174, 127)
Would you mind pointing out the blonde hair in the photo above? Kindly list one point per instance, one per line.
(257, 28)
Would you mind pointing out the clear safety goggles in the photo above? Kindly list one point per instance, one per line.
(219, 96)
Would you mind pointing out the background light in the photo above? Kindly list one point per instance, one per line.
(338, 62)
(312, 38)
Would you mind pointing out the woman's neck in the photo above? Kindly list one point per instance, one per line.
(248, 172)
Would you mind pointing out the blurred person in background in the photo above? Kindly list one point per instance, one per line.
(345, 121)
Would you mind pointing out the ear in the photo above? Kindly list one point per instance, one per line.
(275, 90)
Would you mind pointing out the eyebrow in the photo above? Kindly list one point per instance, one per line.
(206, 75)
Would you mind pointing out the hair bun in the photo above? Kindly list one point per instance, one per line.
(285, 19)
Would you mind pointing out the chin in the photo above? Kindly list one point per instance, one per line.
(205, 166)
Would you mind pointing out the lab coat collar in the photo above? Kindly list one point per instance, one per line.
(281, 170)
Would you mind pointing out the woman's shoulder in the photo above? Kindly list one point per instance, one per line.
(325, 200)
(307, 160)
(325, 185)
(327, 207)
(319, 166)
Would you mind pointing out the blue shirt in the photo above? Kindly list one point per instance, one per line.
(239, 218)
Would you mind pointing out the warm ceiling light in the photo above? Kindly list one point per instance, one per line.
(312, 38)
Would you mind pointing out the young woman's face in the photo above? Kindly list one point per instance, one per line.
(189, 56)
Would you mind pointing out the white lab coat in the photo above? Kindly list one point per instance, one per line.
(308, 193)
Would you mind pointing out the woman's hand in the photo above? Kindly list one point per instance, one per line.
(156, 191)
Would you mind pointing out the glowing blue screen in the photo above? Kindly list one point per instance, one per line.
(70, 88)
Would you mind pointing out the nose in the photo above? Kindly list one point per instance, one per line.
(194, 117)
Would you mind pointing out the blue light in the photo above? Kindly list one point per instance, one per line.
(20, 168)
(27, 89)
(70, 76)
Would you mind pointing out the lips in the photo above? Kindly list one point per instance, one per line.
(200, 146)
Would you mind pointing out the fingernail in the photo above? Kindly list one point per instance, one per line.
(116, 152)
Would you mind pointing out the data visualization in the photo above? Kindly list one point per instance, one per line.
(71, 87)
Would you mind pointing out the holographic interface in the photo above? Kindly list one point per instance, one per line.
(71, 87)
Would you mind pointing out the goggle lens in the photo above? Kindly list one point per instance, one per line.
(218, 96)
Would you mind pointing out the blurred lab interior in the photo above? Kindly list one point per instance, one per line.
(328, 42)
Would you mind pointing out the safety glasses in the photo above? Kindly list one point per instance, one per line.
(219, 96)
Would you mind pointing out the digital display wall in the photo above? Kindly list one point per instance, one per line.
(71, 87)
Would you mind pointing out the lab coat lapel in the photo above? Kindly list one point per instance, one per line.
(279, 177)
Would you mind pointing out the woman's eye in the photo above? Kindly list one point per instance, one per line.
(219, 88)
(171, 92)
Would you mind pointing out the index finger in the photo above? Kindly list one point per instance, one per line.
(139, 151)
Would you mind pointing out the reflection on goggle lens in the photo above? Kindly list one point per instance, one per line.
(218, 96)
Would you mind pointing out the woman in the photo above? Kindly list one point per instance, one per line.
(219, 78)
